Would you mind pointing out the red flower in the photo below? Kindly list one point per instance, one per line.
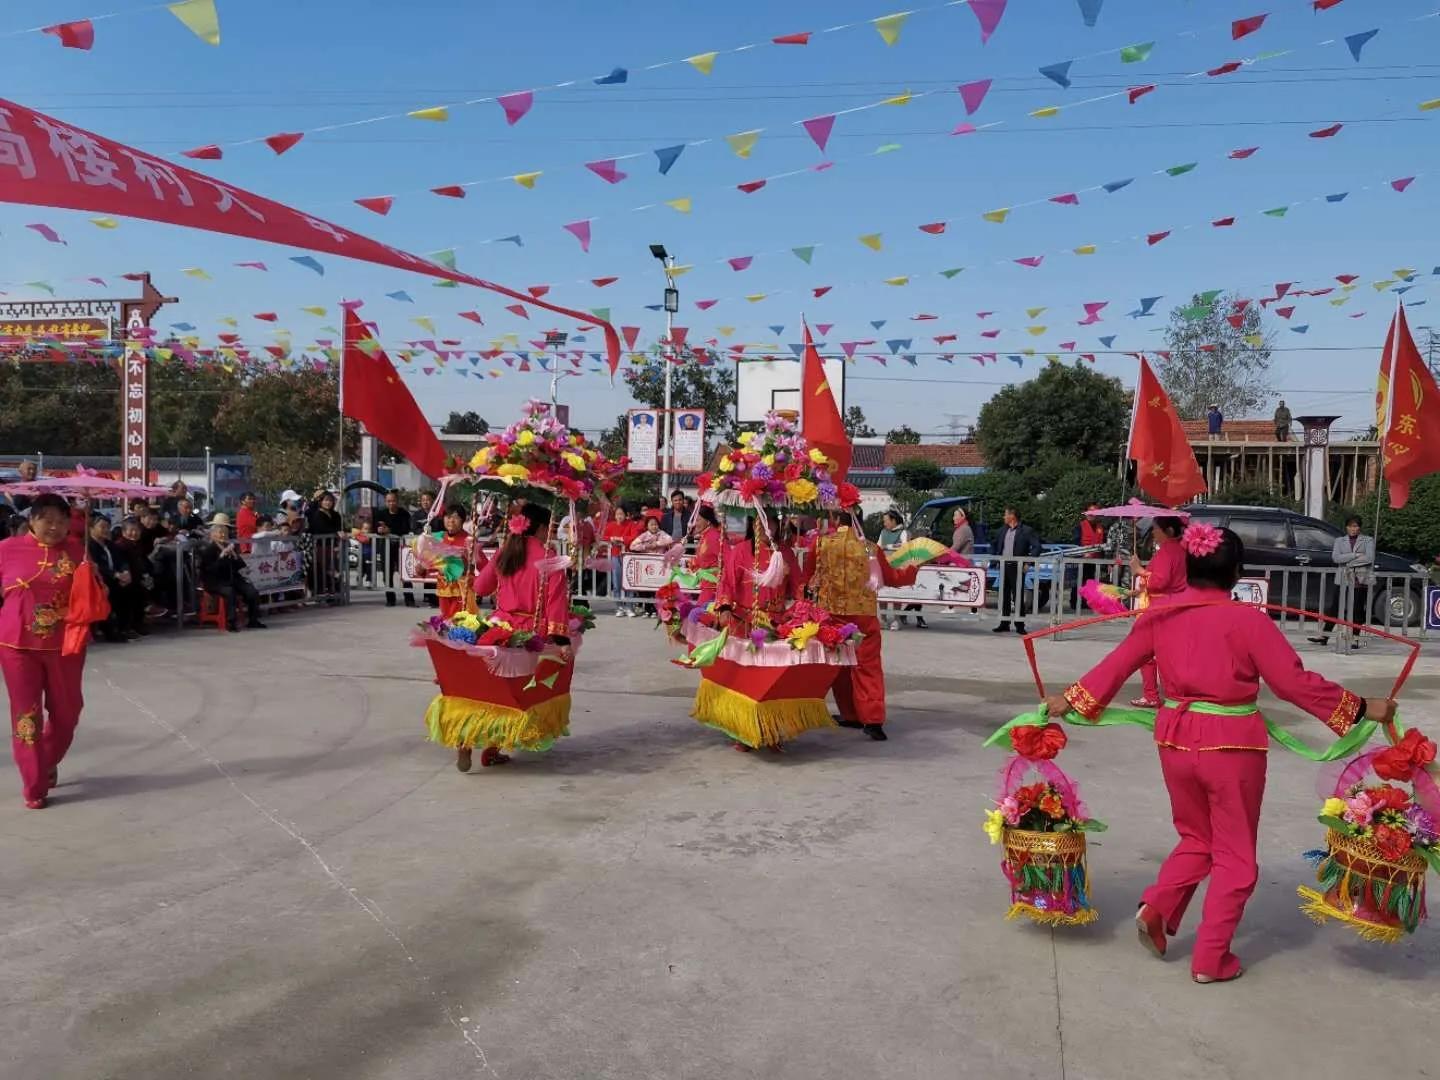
(794, 471)
(849, 496)
(829, 636)
(496, 635)
(1038, 743)
(669, 591)
(1393, 843)
(703, 481)
(1029, 796)
(751, 488)
(1053, 806)
(1400, 761)
(1387, 798)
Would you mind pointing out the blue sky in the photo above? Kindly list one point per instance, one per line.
(286, 67)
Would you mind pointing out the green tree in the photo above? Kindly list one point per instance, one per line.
(1210, 359)
(1065, 410)
(919, 474)
(286, 408)
(275, 466)
(466, 423)
(991, 492)
(855, 424)
(1068, 496)
(903, 435)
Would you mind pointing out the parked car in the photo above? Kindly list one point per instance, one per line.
(1284, 539)
(934, 519)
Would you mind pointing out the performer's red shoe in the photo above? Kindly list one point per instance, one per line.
(1151, 929)
(741, 747)
(37, 804)
(53, 777)
(491, 755)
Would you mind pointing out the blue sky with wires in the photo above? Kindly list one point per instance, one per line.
(302, 67)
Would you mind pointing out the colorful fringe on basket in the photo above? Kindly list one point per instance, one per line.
(1049, 878)
(757, 723)
(464, 722)
(1379, 899)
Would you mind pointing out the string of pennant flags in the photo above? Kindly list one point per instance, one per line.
(972, 93)
(820, 129)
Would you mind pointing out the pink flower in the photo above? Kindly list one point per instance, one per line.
(1200, 539)
(1359, 810)
(1011, 809)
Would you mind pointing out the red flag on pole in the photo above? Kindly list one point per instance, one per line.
(820, 420)
(1165, 466)
(1407, 412)
(372, 392)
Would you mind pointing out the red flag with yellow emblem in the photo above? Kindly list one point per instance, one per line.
(820, 420)
(372, 392)
(1165, 465)
(1407, 412)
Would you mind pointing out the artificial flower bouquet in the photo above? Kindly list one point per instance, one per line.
(1042, 824)
(1382, 839)
(776, 466)
(1104, 599)
(539, 451)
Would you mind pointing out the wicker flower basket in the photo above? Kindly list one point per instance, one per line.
(1380, 899)
(1049, 877)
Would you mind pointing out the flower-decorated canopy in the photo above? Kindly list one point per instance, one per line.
(775, 466)
(538, 452)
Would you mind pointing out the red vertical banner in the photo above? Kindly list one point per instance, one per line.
(134, 407)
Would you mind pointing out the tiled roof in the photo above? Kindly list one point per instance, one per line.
(946, 455)
(868, 457)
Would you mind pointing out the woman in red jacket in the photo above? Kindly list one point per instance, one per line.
(619, 531)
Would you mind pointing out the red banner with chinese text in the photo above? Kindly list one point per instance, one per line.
(44, 162)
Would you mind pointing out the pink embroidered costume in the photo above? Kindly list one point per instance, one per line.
(43, 684)
(534, 598)
(1164, 579)
(1212, 741)
(741, 593)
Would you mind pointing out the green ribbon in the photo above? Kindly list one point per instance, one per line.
(1343, 747)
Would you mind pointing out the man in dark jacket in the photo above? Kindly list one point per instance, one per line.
(394, 522)
(221, 575)
(675, 522)
(1016, 541)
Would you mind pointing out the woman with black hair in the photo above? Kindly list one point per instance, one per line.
(707, 549)
(531, 594)
(37, 569)
(1163, 579)
(1213, 654)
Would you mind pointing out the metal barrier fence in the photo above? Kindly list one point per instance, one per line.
(285, 571)
(1038, 590)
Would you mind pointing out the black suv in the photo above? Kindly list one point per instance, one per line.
(1284, 539)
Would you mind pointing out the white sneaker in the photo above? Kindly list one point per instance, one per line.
(893, 626)
(630, 614)
(619, 614)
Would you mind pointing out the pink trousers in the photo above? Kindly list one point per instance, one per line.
(45, 704)
(1215, 799)
(1150, 679)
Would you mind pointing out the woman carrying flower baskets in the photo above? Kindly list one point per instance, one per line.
(1212, 654)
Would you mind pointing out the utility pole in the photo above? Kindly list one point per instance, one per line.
(672, 305)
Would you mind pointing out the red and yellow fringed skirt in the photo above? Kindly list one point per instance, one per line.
(1380, 899)
(508, 698)
(764, 706)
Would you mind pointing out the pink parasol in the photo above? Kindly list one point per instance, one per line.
(1135, 510)
(86, 483)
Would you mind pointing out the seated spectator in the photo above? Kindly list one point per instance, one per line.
(151, 531)
(184, 519)
(128, 546)
(115, 575)
(222, 575)
(171, 505)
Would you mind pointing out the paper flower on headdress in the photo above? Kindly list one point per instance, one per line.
(1200, 539)
(518, 524)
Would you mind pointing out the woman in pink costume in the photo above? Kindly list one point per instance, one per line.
(707, 550)
(1164, 579)
(37, 569)
(1213, 654)
(747, 589)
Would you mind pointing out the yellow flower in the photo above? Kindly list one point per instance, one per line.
(802, 490)
(1333, 808)
(525, 438)
(716, 483)
(818, 456)
(481, 458)
(760, 618)
(994, 825)
(746, 438)
(726, 465)
(466, 621)
(801, 635)
(510, 473)
(575, 461)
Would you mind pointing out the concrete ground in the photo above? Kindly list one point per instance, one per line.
(256, 867)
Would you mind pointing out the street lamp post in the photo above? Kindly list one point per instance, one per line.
(672, 305)
(555, 339)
